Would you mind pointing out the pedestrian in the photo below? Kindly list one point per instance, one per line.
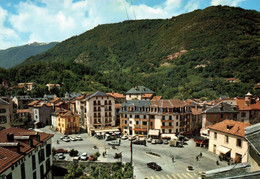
(172, 158)
(217, 162)
(200, 154)
(197, 158)
(103, 154)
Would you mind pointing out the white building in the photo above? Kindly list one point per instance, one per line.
(96, 111)
(227, 139)
(25, 154)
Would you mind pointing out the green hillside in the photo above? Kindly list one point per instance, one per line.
(190, 55)
(16, 55)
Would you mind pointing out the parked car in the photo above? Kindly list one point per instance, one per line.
(139, 142)
(154, 166)
(66, 139)
(124, 137)
(91, 157)
(61, 156)
(79, 138)
(165, 141)
(114, 143)
(159, 141)
(75, 158)
(111, 137)
(84, 156)
(149, 139)
(73, 139)
(153, 141)
(61, 151)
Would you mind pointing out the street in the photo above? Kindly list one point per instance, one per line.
(183, 156)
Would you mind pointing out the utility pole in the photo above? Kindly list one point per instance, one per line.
(131, 150)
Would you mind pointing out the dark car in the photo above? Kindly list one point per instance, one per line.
(159, 141)
(139, 142)
(61, 151)
(154, 166)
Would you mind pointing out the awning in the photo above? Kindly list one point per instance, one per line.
(223, 150)
(154, 132)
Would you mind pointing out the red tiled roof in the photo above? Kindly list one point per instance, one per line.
(69, 114)
(243, 106)
(238, 128)
(196, 111)
(117, 106)
(147, 95)
(157, 98)
(9, 156)
(116, 95)
(33, 103)
(55, 100)
(23, 110)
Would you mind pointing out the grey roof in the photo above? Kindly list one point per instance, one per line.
(140, 90)
(138, 103)
(3, 102)
(26, 97)
(228, 171)
(253, 136)
(221, 107)
(97, 93)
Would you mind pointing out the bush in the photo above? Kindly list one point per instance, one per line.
(73, 153)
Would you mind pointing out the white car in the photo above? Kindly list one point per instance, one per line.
(153, 141)
(66, 139)
(61, 156)
(73, 139)
(84, 156)
(124, 137)
(79, 138)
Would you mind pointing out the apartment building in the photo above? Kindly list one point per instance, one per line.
(97, 111)
(67, 122)
(6, 113)
(25, 154)
(169, 116)
(227, 139)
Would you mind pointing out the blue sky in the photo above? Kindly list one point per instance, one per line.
(27, 21)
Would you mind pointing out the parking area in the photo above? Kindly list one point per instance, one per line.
(160, 153)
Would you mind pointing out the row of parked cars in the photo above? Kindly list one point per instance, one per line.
(84, 156)
(67, 138)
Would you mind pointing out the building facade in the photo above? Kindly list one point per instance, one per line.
(227, 139)
(6, 113)
(68, 123)
(139, 93)
(25, 154)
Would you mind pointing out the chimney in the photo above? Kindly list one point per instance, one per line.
(10, 137)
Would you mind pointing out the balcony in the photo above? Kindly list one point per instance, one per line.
(165, 120)
(141, 130)
(124, 125)
(140, 126)
(166, 127)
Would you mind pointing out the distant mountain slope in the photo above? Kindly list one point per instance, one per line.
(190, 55)
(16, 55)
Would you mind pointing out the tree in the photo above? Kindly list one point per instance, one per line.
(74, 171)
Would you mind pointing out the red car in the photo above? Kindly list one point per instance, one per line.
(91, 157)
(61, 151)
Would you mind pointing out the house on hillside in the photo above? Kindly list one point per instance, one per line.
(139, 93)
(50, 86)
(28, 86)
(227, 139)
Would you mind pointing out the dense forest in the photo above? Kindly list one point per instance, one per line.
(187, 56)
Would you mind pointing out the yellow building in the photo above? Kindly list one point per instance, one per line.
(68, 123)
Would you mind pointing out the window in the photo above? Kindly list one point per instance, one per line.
(221, 116)
(177, 117)
(48, 165)
(151, 124)
(48, 150)
(3, 119)
(137, 116)
(163, 117)
(144, 123)
(42, 172)
(34, 175)
(239, 142)
(170, 131)
(41, 155)
(163, 124)
(238, 158)
(177, 124)
(137, 122)
(243, 114)
(170, 124)
(144, 116)
(22, 171)
(226, 138)
(33, 162)
(9, 176)
(152, 116)
(163, 131)
(125, 122)
(2, 110)
(170, 117)
(215, 135)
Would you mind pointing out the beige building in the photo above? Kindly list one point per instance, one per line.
(6, 113)
(96, 111)
(227, 139)
(139, 93)
(28, 86)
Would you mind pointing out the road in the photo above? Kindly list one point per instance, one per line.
(183, 157)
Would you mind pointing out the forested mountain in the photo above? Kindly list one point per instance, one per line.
(16, 55)
(190, 55)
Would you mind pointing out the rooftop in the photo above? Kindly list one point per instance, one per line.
(116, 95)
(221, 107)
(253, 137)
(140, 90)
(231, 127)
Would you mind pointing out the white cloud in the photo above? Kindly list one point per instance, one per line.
(8, 37)
(61, 19)
(226, 2)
